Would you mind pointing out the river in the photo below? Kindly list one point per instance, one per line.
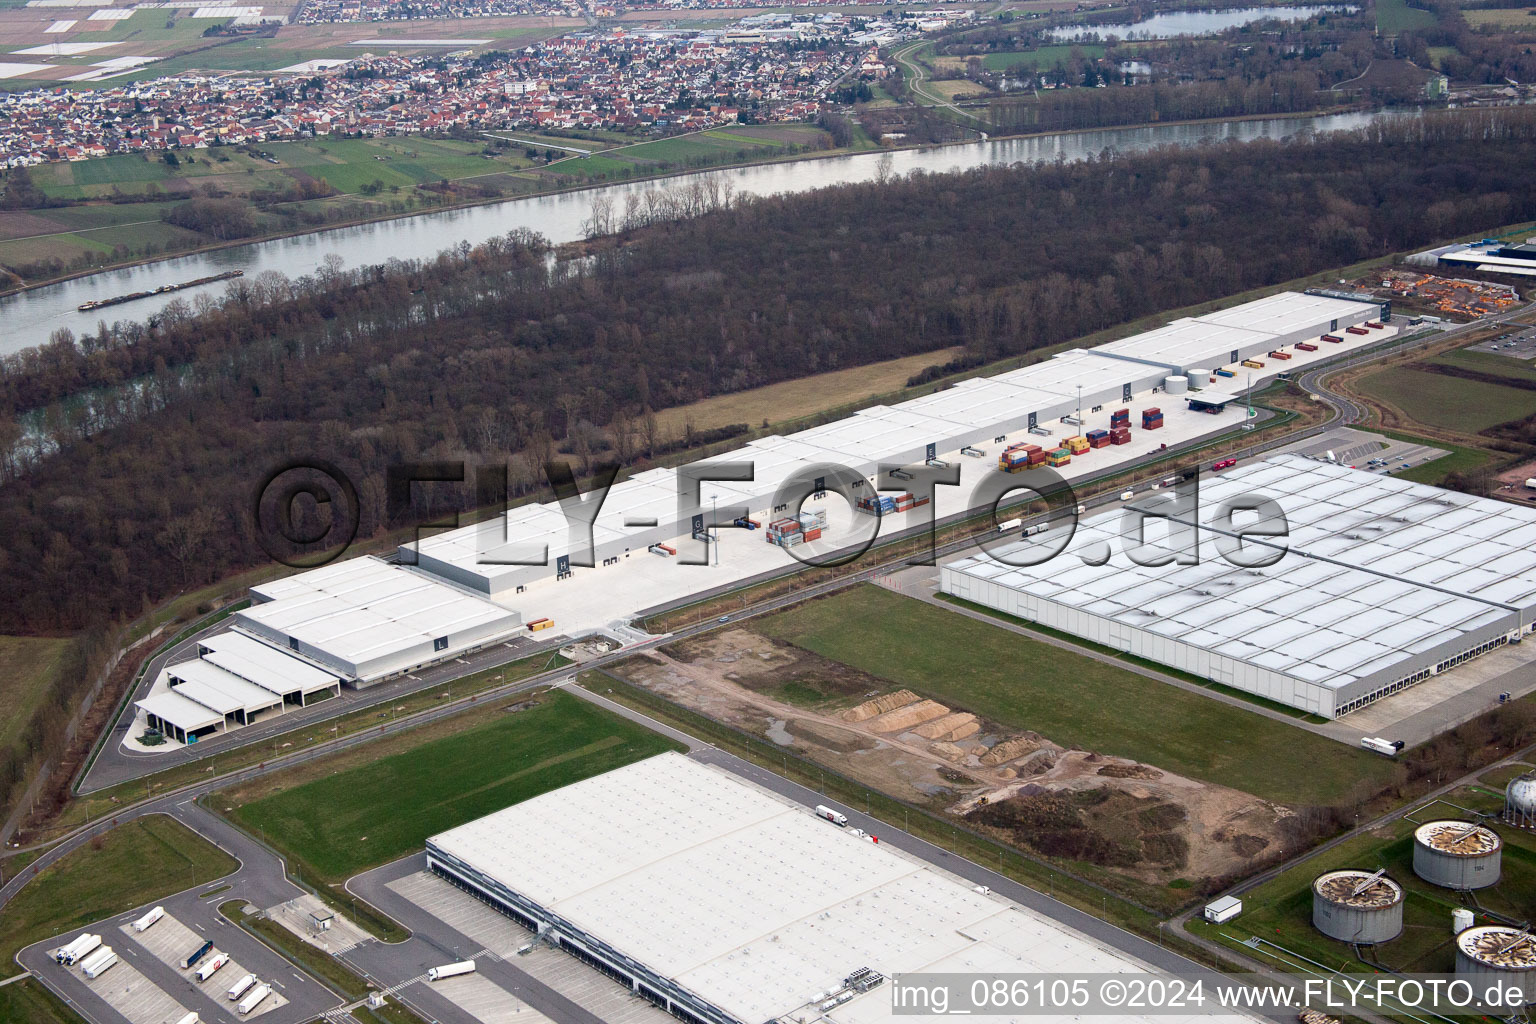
(29, 317)
(1171, 24)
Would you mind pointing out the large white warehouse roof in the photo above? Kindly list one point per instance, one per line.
(366, 618)
(744, 900)
(1382, 580)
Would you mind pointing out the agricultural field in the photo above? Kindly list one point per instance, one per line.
(28, 665)
(776, 403)
(1454, 403)
(1072, 699)
(131, 864)
(342, 814)
(1394, 16)
(1042, 58)
(1510, 18)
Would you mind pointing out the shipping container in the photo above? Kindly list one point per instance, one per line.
(1059, 457)
(196, 955)
(191, 1018)
(1120, 414)
(238, 988)
(812, 534)
(1097, 433)
(450, 970)
(1076, 445)
(1279, 355)
(1305, 347)
(145, 922)
(1375, 325)
(1334, 338)
(211, 967)
(540, 624)
(1253, 364)
(1356, 330)
(253, 999)
(1099, 442)
(1225, 373)
(1124, 438)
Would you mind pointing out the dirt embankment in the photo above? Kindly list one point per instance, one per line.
(1015, 784)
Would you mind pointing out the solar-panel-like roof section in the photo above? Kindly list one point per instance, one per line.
(1377, 571)
(219, 690)
(1284, 313)
(748, 901)
(180, 711)
(1189, 343)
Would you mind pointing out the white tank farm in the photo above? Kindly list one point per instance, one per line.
(1457, 854)
(1498, 953)
(1357, 906)
(1520, 801)
(1176, 385)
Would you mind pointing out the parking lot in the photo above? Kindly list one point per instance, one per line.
(148, 985)
(1364, 450)
(1519, 343)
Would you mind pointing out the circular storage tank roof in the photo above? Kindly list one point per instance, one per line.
(1520, 794)
(1458, 838)
(1506, 949)
(1358, 889)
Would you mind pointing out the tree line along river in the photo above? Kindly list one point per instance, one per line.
(31, 316)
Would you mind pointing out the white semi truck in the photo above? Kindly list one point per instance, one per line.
(239, 988)
(450, 970)
(98, 963)
(211, 966)
(835, 817)
(253, 998)
(84, 945)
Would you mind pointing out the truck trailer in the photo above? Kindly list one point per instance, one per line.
(450, 970)
(98, 963)
(239, 988)
(211, 966)
(253, 998)
(196, 955)
(191, 1018)
(145, 922)
(83, 945)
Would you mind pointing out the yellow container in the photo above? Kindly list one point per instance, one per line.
(1077, 445)
(1059, 457)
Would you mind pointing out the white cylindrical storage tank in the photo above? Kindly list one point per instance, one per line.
(1176, 385)
(1357, 906)
(1520, 801)
(1496, 953)
(1200, 376)
(1461, 920)
(1457, 854)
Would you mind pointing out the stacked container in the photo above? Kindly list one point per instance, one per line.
(1119, 418)
(1229, 373)
(1356, 330)
(1253, 364)
(878, 504)
(1151, 419)
(1020, 456)
(1277, 354)
(1120, 435)
(1076, 445)
(1334, 338)
(1306, 347)
(1098, 438)
(1059, 457)
(786, 533)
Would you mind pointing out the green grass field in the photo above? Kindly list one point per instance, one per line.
(135, 863)
(1394, 16)
(1045, 57)
(1280, 910)
(27, 666)
(30, 1002)
(342, 815)
(1451, 402)
(1073, 699)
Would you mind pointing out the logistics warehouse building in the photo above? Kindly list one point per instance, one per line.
(724, 903)
(1383, 583)
(530, 543)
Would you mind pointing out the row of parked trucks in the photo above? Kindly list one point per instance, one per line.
(95, 959)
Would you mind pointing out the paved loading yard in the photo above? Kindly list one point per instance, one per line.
(448, 924)
(130, 993)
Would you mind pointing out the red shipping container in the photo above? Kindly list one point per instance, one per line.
(812, 534)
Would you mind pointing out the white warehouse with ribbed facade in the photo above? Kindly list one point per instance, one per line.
(1377, 583)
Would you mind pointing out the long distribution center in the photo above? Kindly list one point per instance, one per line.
(1377, 584)
(531, 543)
(724, 903)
